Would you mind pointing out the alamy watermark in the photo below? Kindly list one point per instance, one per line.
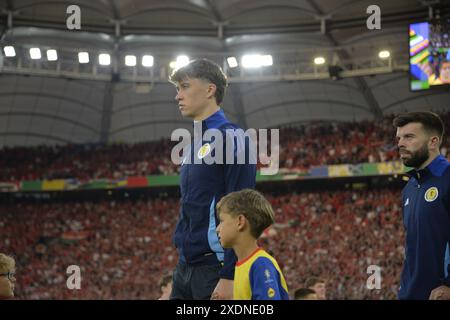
(374, 20)
(240, 147)
(374, 280)
(74, 280)
(73, 22)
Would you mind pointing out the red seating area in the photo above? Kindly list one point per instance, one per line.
(124, 247)
(121, 248)
(85, 162)
(337, 235)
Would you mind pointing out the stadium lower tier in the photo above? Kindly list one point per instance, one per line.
(123, 247)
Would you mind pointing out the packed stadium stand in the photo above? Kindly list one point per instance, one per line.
(124, 246)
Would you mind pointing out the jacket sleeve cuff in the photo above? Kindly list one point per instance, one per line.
(227, 271)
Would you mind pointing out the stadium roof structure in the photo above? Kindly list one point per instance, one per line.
(64, 101)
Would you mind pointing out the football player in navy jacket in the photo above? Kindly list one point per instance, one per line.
(205, 269)
(426, 207)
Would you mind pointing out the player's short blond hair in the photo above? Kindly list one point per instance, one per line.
(7, 263)
(252, 205)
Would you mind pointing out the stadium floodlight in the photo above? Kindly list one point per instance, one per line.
(9, 51)
(232, 62)
(250, 61)
(266, 60)
(52, 55)
(147, 61)
(319, 60)
(130, 61)
(83, 57)
(256, 60)
(384, 54)
(181, 61)
(104, 59)
(35, 53)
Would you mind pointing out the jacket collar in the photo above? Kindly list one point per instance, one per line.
(214, 121)
(436, 168)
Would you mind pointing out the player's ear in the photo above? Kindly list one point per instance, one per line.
(241, 222)
(211, 90)
(434, 141)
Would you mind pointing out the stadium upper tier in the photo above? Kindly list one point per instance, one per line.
(301, 148)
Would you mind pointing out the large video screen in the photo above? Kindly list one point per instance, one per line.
(429, 55)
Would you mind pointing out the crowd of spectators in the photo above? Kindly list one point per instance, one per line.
(337, 236)
(86, 161)
(301, 147)
(123, 247)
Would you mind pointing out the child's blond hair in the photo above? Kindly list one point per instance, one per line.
(252, 205)
(7, 263)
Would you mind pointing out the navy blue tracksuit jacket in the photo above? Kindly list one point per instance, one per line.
(202, 186)
(426, 216)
